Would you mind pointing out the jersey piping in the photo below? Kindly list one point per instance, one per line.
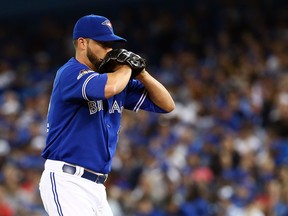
(141, 100)
(84, 86)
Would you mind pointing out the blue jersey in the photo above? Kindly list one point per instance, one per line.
(83, 126)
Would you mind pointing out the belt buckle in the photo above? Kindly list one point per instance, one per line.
(97, 179)
(105, 176)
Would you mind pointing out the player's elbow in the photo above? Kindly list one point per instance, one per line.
(170, 107)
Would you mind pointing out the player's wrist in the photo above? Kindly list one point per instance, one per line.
(142, 75)
(123, 67)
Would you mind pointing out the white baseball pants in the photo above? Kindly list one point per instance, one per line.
(65, 194)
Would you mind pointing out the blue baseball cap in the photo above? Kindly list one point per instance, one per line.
(95, 27)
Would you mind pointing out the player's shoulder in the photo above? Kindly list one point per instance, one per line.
(73, 67)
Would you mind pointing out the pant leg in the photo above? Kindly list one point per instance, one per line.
(103, 209)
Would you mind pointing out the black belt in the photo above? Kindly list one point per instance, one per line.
(98, 178)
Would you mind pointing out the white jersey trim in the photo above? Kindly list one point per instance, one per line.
(85, 84)
(141, 100)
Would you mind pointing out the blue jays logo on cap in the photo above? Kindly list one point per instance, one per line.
(108, 24)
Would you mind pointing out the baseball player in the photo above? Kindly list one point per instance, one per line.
(89, 94)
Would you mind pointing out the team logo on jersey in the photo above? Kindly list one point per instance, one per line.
(95, 106)
(115, 107)
(108, 24)
(83, 72)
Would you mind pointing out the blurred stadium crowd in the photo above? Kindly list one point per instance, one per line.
(222, 152)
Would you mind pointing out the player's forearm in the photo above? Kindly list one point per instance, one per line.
(117, 81)
(157, 92)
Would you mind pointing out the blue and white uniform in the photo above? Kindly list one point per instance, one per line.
(83, 128)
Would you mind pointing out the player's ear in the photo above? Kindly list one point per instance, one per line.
(82, 42)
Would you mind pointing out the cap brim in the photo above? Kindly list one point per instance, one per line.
(111, 37)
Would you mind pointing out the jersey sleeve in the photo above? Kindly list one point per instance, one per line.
(82, 84)
(137, 97)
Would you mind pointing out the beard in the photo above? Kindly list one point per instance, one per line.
(93, 59)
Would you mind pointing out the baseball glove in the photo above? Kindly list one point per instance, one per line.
(122, 56)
